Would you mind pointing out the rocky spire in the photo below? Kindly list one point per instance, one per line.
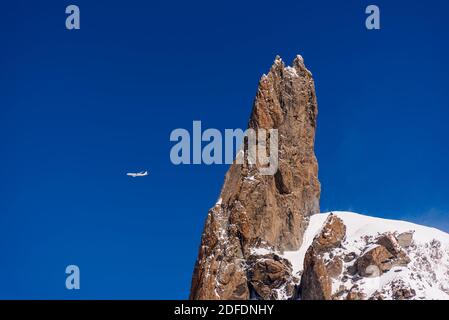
(258, 212)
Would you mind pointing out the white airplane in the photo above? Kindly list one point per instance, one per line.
(137, 174)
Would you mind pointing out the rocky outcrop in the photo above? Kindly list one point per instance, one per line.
(264, 211)
(405, 239)
(386, 254)
(397, 290)
(270, 277)
(316, 279)
(374, 262)
(333, 270)
(334, 267)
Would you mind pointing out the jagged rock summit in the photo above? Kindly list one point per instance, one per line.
(264, 211)
(265, 237)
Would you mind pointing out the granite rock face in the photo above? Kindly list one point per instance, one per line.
(258, 212)
(316, 281)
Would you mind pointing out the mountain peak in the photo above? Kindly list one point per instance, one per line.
(264, 211)
(264, 238)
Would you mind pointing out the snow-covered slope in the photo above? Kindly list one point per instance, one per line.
(426, 276)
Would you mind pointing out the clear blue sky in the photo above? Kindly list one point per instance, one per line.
(78, 109)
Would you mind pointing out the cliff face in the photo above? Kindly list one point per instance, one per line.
(258, 215)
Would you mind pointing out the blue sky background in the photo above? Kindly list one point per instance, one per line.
(79, 109)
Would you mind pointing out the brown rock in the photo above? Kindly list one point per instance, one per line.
(389, 241)
(334, 267)
(405, 239)
(269, 274)
(264, 209)
(374, 262)
(340, 293)
(403, 293)
(332, 234)
(355, 294)
(397, 290)
(316, 281)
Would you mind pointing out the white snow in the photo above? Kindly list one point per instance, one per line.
(261, 251)
(299, 57)
(250, 178)
(358, 225)
(296, 258)
(291, 71)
